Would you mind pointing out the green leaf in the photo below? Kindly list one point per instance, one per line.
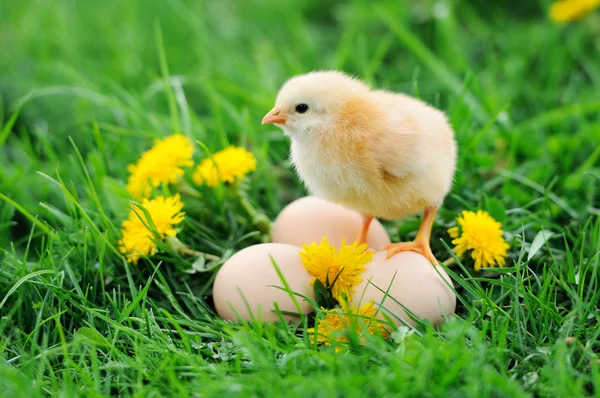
(21, 281)
(201, 265)
(540, 239)
(323, 295)
(92, 335)
(7, 128)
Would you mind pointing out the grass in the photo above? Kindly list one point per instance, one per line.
(85, 88)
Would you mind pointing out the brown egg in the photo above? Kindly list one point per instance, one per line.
(309, 219)
(247, 284)
(413, 282)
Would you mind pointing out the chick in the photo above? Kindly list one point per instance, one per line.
(383, 154)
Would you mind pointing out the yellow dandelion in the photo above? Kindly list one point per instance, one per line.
(162, 164)
(339, 321)
(341, 268)
(570, 10)
(137, 239)
(482, 235)
(225, 166)
(329, 328)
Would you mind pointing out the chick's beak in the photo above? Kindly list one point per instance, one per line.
(274, 117)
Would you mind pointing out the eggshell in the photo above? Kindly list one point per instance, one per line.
(310, 218)
(412, 281)
(247, 283)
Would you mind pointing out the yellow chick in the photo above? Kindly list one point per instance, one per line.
(383, 154)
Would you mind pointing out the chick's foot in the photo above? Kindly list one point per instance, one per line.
(414, 246)
(421, 242)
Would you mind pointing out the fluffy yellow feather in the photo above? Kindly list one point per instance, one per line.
(381, 153)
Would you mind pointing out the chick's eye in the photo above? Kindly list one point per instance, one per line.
(301, 108)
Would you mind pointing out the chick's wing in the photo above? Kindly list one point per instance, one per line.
(402, 147)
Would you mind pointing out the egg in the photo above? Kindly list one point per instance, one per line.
(247, 284)
(309, 219)
(412, 281)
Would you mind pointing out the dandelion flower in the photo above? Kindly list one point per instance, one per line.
(339, 322)
(570, 10)
(137, 239)
(480, 234)
(162, 164)
(341, 268)
(225, 166)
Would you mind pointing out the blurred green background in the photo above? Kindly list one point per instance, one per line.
(72, 64)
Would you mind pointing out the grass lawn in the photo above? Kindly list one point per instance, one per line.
(86, 86)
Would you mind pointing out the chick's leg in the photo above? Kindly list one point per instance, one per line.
(421, 242)
(366, 222)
